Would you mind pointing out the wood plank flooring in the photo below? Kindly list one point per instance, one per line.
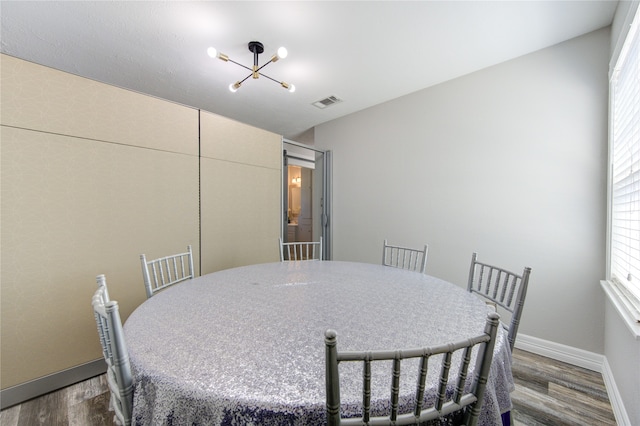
(83, 404)
(548, 392)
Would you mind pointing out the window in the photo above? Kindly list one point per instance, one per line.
(624, 244)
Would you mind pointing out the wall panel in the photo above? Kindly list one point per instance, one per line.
(91, 176)
(230, 140)
(40, 98)
(240, 193)
(240, 215)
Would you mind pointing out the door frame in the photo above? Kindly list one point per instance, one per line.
(325, 196)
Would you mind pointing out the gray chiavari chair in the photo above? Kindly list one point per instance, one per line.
(300, 250)
(459, 394)
(163, 272)
(115, 352)
(503, 289)
(404, 257)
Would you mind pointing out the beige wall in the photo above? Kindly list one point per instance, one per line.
(241, 172)
(93, 176)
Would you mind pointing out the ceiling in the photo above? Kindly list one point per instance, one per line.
(362, 52)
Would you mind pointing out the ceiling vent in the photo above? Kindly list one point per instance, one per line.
(328, 101)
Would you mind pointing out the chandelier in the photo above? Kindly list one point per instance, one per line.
(256, 48)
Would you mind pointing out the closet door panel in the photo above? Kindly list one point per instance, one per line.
(71, 209)
(229, 140)
(240, 215)
(240, 193)
(47, 100)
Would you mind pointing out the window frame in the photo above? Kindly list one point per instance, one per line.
(620, 291)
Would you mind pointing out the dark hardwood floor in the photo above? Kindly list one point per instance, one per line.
(547, 392)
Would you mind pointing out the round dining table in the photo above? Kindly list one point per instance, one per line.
(245, 346)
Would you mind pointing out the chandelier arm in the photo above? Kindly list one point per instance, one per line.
(245, 79)
(272, 79)
(243, 66)
(263, 65)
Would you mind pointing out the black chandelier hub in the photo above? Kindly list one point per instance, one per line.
(256, 47)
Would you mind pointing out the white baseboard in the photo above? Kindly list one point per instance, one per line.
(581, 358)
(622, 418)
(560, 352)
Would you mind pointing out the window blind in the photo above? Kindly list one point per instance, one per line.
(625, 166)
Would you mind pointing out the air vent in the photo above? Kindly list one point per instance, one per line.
(328, 101)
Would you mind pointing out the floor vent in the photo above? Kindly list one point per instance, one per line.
(328, 101)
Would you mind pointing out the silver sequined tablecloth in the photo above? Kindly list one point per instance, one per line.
(245, 346)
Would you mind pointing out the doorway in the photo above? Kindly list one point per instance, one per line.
(306, 195)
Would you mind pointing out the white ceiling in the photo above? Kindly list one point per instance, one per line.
(363, 52)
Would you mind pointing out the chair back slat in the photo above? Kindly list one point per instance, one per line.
(300, 250)
(114, 349)
(102, 296)
(366, 390)
(422, 380)
(404, 257)
(444, 379)
(466, 398)
(395, 387)
(332, 382)
(462, 376)
(512, 290)
(163, 272)
(502, 288)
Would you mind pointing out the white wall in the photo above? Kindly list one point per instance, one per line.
(509, 161)
(623, 356)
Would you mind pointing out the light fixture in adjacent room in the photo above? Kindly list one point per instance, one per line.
(256, 48)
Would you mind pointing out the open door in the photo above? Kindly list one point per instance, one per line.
(306, 195)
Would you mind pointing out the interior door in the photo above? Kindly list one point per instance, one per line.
(306, 195)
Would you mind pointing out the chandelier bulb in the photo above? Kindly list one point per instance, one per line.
(280, 54)
(212, 52)
(290, 87)
(233, 87)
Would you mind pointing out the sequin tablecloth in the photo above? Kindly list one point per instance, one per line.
(245, 346)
